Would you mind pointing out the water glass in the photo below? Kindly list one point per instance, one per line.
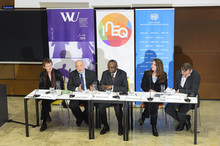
(58, 89)
(162, 88)
(132, 92)
(58, 85)
(108, 92)
(51, 90)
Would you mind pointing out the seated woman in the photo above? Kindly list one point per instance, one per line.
(151, 82)
(48, 79)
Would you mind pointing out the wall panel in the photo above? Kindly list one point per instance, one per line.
(209, 90)
(197, 41)
(20, 87)
(26, 72)
(7, 71)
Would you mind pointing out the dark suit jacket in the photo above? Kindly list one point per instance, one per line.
(147, 82)
(120, 82)
(74, 79)
(191, 85)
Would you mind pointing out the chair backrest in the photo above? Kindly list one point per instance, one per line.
(63, 82)
(198, 105)
(128, 85)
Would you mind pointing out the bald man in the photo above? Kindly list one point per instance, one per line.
(80, 80)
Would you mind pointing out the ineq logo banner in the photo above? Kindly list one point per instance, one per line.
(115, 40)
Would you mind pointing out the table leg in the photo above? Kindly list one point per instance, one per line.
(131, 115)
(125, 120)
(195, 125)
(91, 120)
(37, 112)
(26, 117)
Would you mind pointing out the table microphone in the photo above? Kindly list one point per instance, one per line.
(71, 96)
(150, 98)
(187, 99)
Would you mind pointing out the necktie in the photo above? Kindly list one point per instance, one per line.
(113, 77)
(82, 81)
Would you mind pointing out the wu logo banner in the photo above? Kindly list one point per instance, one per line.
(154, 39)
(71, 17)
(71, 37)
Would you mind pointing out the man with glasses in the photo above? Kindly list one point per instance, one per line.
(187, 81)
(80, 80)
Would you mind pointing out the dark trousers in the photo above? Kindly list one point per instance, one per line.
(118, 112)
(151, 109)
(178, 111)
(74, 105)
(46, 108)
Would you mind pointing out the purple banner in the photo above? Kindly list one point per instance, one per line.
(71, 37)
(76, 24)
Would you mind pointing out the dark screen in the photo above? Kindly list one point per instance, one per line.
(23, 35)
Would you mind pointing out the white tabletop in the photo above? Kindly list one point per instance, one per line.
(160, 97)
(106, 96)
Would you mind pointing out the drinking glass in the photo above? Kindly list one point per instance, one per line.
(162, 88)
(58, 89)
(51, 90)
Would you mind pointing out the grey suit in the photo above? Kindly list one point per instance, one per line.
(120, 83)
(178, 111)
(73, 83)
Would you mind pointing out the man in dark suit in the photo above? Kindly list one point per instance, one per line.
(113, 79)
(80, 79)
(187, 81)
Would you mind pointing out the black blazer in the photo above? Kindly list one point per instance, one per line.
(147, 82)
(120, 82)
(58, 77)
(74, 79)
(191, 85)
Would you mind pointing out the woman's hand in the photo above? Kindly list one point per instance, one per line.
(151, 90)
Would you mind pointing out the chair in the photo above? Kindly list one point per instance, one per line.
(98, 124)
(63, 104)
(161, 106)
(198, 111)
(192, 114)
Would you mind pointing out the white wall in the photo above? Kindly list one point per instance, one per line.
(112, 3)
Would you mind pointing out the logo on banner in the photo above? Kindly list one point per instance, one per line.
(115, 29)
(154, 16)
(70, 16)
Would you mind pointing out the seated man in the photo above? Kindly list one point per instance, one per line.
(116, 80)
(187, 81)
(79, 80)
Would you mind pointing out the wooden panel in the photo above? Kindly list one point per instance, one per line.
(20, 87)
(197, 36)
(209, 90)
(6, 3)
(6, 71)
(207, 64)
(28, 71)
(197, 13)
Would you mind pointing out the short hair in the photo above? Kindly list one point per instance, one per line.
(113, 61)
(46, 60)
(186, 66)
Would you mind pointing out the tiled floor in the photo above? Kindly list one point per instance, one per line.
(60, 132)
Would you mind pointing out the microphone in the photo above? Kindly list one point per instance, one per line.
(150, 98)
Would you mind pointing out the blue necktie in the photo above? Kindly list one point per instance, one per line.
(82, 81)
